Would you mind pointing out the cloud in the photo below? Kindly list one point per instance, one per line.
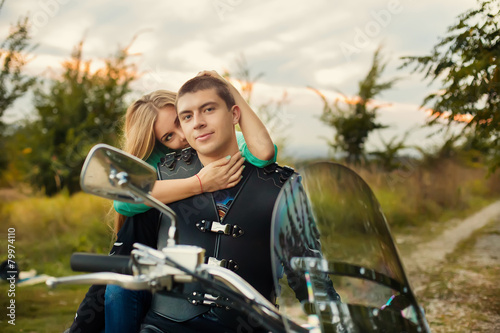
(336, 77)
(189, 11)
(294, 43)
(64, 36)
(192, 54)
(263, 47)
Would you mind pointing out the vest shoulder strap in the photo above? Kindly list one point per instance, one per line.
(179, 164)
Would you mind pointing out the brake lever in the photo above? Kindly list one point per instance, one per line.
(153, 269)
(139, 282)
(147, 252)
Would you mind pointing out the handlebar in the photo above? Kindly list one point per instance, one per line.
(156, 270)
(89, 262)
(104, 264)
(146, 268)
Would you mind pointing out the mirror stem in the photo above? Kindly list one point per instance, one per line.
(155, 203)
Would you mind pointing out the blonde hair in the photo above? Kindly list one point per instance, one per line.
(138, 131)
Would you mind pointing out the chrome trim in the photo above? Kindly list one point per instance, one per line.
(219, 227)
(227, 229)
(236, 283)
(212, 261)
(140, 282)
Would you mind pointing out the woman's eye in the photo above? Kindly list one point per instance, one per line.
(168, 137)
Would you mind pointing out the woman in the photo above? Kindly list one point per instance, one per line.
(151, 131)
(152, 120)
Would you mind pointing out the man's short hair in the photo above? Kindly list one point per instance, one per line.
(204, 83)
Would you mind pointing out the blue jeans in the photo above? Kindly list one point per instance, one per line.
(125, 309)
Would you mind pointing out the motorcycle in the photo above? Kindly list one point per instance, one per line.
(327, 229)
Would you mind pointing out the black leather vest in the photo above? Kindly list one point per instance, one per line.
(242, 242)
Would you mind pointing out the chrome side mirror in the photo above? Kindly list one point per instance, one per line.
(107, 169)
(113, 174)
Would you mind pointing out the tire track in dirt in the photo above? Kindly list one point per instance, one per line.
(434, 252)
(459, 293)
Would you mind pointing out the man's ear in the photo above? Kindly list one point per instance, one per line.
(236, 111)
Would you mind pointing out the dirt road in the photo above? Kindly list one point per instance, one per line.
(455, 275)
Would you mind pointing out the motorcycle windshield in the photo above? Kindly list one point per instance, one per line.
(335, 264)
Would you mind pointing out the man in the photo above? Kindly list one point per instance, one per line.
(208, 115)
(156, 111)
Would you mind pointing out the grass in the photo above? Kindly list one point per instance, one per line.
(48, 230)
(432, 194)
(41, 310)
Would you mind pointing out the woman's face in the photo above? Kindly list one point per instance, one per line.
(167, 130)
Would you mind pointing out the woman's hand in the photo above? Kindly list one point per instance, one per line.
(213, 74)
(222, 174)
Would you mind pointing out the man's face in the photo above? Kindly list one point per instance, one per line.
(207, 122)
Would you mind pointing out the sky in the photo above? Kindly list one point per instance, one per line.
(294, 44)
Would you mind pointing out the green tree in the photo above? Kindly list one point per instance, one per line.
(353, 119)
(13, 83)
(388, 157)
(74, 112)
(13, 57)
(467, 62)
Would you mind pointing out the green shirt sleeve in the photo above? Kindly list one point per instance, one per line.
(245, 152)
(130, 209)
